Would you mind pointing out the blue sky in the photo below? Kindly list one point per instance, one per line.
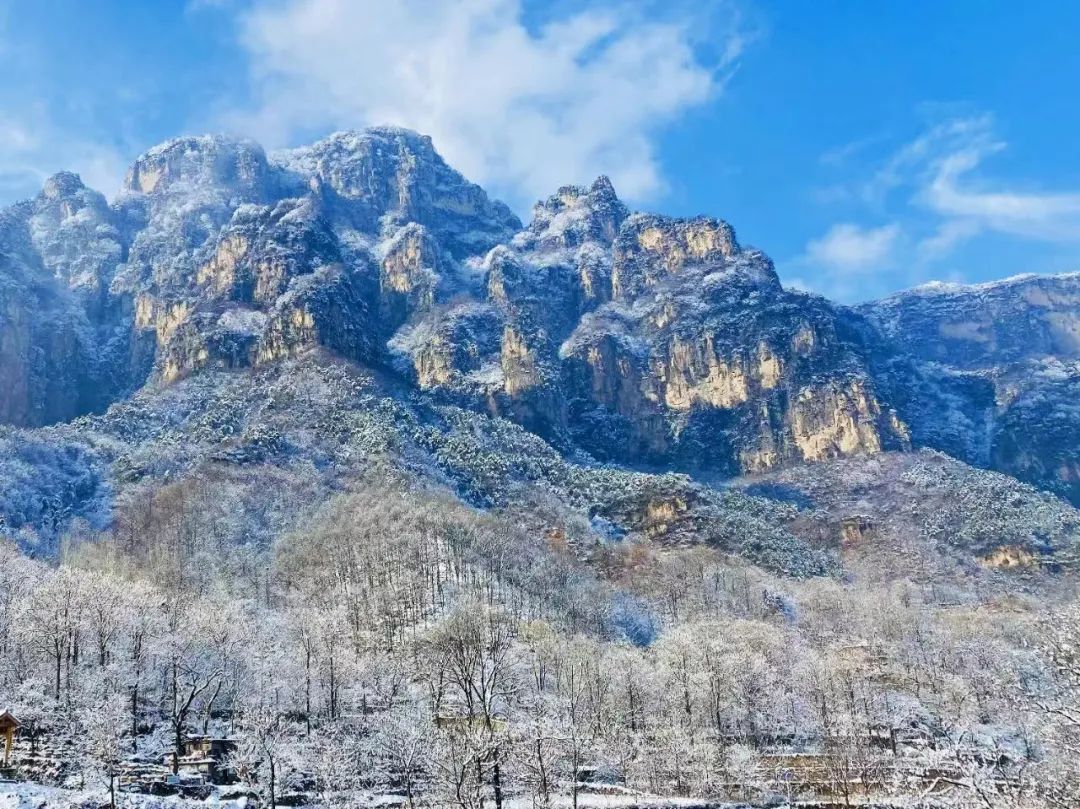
(866, 146)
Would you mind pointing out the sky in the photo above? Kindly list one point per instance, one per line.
(866, 146)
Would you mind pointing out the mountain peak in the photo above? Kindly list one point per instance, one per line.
(637, 337)
(374, 142)
(200, 160)
(384, 133)
(62, 184)
(602, 185)
(384, 177)
(575, 215)
(947, 288)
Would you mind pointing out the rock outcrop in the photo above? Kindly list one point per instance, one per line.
(1000, 365)
(637, 338)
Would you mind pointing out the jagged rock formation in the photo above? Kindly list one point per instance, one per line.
(57, 256)
(643, 338)
(638, 338)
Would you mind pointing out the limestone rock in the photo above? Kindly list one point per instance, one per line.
(634, 337)
(1000, 371)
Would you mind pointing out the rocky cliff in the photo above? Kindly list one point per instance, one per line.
(636, 338)
(1000, 368)
(648, 339)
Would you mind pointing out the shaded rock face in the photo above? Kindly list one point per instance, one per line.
(986, 325)
(637, 338)
(999, 370)
(57, 253)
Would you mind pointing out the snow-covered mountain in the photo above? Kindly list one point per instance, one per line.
(604, 334)
(326, 452)
(1000, 364)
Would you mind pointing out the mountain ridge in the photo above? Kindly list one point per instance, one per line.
(616, 337)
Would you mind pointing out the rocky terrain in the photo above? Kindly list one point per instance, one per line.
(326, 453)
(605, 335)
(1005, 357)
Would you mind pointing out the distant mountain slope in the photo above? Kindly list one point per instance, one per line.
(985, 326)
(1006, 357)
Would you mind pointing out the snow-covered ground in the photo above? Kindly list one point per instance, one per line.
(34, 796)
(22, 795)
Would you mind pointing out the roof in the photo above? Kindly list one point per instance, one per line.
(8, 721)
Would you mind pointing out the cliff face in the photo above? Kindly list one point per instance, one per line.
(985, 326)
(57, 253)
(214, 255)
(1002, 362)
(638, 338)
(647, 339)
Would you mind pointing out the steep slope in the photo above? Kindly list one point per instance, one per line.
(214, 255)
(925, 513)
(980, 326)
(312, 425)
(57, 253)
(647, 339)
(615, 336)
(1002, 361)
(240, 260)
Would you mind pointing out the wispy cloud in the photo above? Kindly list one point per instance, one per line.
(521, 109)
(937, 194)
(848, 247)
(33, 147)
(1045, 216)
(942, 167)
(847, 260)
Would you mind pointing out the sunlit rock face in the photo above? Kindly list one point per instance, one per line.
(648, 339)
(634, 337)
(215, 255)
(713, 364)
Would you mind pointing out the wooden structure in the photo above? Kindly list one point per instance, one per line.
(207, 757)
(8, 725)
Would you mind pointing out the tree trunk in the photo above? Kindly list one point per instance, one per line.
(307, 691)
(135, 716)
(178, 745)
(496, 781)
(273, 782)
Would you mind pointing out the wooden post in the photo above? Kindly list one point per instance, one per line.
(8, 725)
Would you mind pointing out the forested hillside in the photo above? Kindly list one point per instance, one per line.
(325, 482)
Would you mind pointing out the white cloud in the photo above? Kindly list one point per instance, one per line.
(847, 263)
(948, 235)
(937, 193)
(847, 247)
(1051, 217)
(33, 147)
(521, 110)
(942, 169)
